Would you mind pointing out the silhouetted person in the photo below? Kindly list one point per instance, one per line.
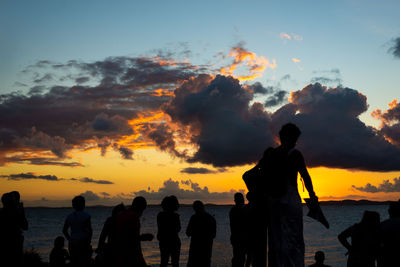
(280, 166)
(202, 229)
(108, 250)
(169, 226)
(390, 238)
(256, 232)
(319, 260)
(364, 247)
(128, 237)
(237, 220)
(58, 255)
(78, 231)
(12, 224)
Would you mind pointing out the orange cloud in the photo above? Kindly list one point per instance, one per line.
(296, 60)
(284, 35)
(287, 36)
(255, 65)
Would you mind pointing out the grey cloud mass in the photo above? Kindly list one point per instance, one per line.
(225, 126)
(386, 187)
(333, 135)
(395, 49)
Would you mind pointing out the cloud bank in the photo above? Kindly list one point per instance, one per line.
(386, 187)
(191, 112)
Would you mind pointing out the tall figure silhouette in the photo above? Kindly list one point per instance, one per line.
(108, 249)
(390, 238)
(169, 226)
(12, 224)
(128, 237)
(78, 231)
(280, 167)
(237, 221)
(202, 229)
(364, 247)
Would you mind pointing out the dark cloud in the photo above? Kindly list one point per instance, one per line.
(258, 88)
(395, 49)
(90, 180)
(45, 78)
(386, 187)
(276, 99)
(41, 161)
(333, 135)
(30, 175)
(194, 192)
(227, 129)
(59, 118)
(80, 80)
(192, 170)
(90, 196)
(332, 76)
(125, 152)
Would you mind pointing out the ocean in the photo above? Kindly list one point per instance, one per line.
(45, 224)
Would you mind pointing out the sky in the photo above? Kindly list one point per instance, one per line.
(154, 98)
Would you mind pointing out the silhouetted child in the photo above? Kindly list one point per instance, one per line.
(202, 229)
(58, 255)
(169, 225)
(319, 260)
(364, 247)
(106, 251)
(390, 238)
(238, 226)
(80, 235)
(128, 237)
(12, 224)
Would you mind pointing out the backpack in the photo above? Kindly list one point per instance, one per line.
(268, 177)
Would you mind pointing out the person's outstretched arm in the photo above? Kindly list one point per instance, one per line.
(305, 175)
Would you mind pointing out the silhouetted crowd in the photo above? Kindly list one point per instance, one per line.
(371, 241)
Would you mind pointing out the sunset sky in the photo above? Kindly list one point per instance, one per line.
(117, 99)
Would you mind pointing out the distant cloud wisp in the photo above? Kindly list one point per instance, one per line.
(193, 170)
(30, 175)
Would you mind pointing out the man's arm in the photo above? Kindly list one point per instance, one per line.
(65, 230)
(304, 174)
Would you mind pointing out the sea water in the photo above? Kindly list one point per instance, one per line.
(45, 224)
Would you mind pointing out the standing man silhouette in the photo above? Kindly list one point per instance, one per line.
(202, 229)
